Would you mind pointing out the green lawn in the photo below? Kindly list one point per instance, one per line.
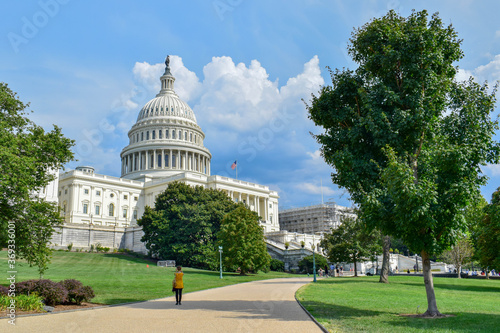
(364, 305)
(118, 278)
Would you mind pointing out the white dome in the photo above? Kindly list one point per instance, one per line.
(166, 105)
(165, 140)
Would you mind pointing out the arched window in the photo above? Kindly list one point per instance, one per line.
(111, 209)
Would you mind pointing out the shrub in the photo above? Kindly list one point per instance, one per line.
(23, 302)
(277, 265)
(91, 247)
(77, 292)
(52, 292)
(4, 290)
(26, 287)
(70, 246)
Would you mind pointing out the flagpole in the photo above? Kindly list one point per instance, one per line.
(236, 169)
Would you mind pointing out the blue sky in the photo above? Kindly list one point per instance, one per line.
(243, 66)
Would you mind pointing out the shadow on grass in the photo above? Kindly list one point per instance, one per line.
(347, 280)
(462, 322)
(490, 289)
(326, 311)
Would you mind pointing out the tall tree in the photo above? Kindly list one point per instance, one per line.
(487, 235)
(183, 224)
(242, 239)
(459, 254)
(405, 139)
(28, 156)
(351, 242)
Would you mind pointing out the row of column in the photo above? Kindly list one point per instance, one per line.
(165, 159)
(256, 203)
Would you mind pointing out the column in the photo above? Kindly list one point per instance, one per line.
(163, 158)
(266, 210)
(198, 166)
(170, 159)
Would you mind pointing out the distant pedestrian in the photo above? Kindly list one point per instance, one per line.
(338, 271)
(178, 285)
(408, 271)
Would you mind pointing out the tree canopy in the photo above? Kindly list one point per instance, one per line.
(351, 242)
(306, 264)
(406, 140)
(29, 156)
(487, 235)
(184, 223)
(242, 239)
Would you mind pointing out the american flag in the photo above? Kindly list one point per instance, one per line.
(233, 165)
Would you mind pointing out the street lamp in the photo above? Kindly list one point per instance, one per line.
(314, 263)
(220, 252)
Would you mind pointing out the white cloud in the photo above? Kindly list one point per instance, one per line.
(463, 75)
(316, 155)
(147, 77)
(311, 188)
(491, 169)
(231, 96)
(489, 72)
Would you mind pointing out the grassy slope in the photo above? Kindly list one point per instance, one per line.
(364, 305)
(118, 278)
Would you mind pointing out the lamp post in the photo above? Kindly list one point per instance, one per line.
(220, 252)
(314, 263)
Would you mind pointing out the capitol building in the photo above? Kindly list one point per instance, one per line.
(165, 145)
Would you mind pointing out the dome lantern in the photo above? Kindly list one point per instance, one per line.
(167, 80)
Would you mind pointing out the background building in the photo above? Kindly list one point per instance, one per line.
(316, 219)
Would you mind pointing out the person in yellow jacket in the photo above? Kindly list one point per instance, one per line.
(178, 285)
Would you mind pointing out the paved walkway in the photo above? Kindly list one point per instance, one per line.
(260, 306)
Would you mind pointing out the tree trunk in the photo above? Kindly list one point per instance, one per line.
(432, 309)
(385, 260)
(458, 271)
(355, 269)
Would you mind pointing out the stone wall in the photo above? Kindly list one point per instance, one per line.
(83, 236)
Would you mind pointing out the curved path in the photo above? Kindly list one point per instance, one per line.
(260, 306)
